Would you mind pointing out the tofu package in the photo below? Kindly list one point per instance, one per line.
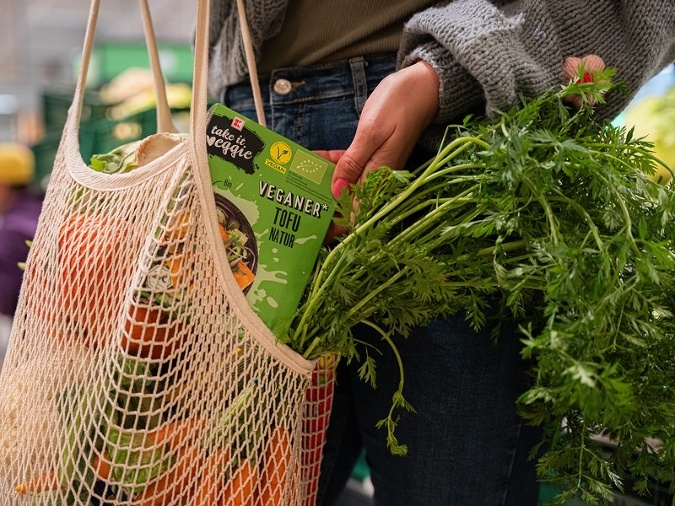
(274, 207)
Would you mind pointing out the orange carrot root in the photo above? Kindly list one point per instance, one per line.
(275, 465)
(179, 434)
(42, 483)
(101, 464)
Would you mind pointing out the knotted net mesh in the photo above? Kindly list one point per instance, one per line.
(135, 372)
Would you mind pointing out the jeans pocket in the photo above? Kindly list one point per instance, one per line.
(360, 81)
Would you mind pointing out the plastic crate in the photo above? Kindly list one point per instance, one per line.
(55, 105)
(106, 135)
(45, 153)
(97, 136)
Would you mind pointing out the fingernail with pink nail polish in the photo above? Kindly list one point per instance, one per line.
(339, 186)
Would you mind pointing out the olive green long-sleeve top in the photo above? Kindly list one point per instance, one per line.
(486, 52)
(316, 31)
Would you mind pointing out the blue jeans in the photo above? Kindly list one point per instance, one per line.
(467, 446)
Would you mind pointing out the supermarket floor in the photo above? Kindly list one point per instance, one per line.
(357, 493)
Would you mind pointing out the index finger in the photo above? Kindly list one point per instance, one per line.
(332, 155)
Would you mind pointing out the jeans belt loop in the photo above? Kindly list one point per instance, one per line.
(358, 68)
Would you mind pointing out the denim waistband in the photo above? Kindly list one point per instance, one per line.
(291, 85)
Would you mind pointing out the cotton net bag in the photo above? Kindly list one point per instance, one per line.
(137, 372)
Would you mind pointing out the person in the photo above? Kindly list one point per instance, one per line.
(370, 84)
(20, 208)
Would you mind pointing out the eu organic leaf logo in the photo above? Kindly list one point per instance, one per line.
(309, 166)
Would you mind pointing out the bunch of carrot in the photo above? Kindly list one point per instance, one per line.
(94, 267)
(197, 477)
(145, 459)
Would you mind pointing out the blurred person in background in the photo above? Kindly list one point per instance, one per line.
(20, 207)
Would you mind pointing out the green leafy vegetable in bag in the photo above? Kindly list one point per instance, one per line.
(117, 161)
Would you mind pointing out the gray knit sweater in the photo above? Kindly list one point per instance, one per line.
(486, 52)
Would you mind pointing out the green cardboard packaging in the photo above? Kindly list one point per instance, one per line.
(274, 206)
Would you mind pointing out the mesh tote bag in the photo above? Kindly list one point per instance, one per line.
(137, 372)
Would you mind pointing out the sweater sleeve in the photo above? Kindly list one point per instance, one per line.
(227, 57)
(486, 56)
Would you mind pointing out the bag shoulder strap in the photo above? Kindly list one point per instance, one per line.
(164, 121)
(250, 62)
(199, 161)
(198, 123)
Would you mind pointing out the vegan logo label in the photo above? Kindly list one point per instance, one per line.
(280, 154)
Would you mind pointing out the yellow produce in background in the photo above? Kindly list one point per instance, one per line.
(178, 96)
(654, 118)
(133, 91)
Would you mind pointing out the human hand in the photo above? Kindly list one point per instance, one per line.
(334, 156)
(390, 125)
(393, 119)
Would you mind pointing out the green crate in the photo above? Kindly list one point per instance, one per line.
(45, 153)
(112, 57)
(106, 135)
(96, 136)
(56, 103)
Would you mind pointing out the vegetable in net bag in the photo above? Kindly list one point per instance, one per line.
(137, 373)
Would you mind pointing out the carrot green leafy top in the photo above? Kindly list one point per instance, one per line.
(550, 211)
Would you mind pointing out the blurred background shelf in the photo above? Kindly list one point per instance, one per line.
(40, 43)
